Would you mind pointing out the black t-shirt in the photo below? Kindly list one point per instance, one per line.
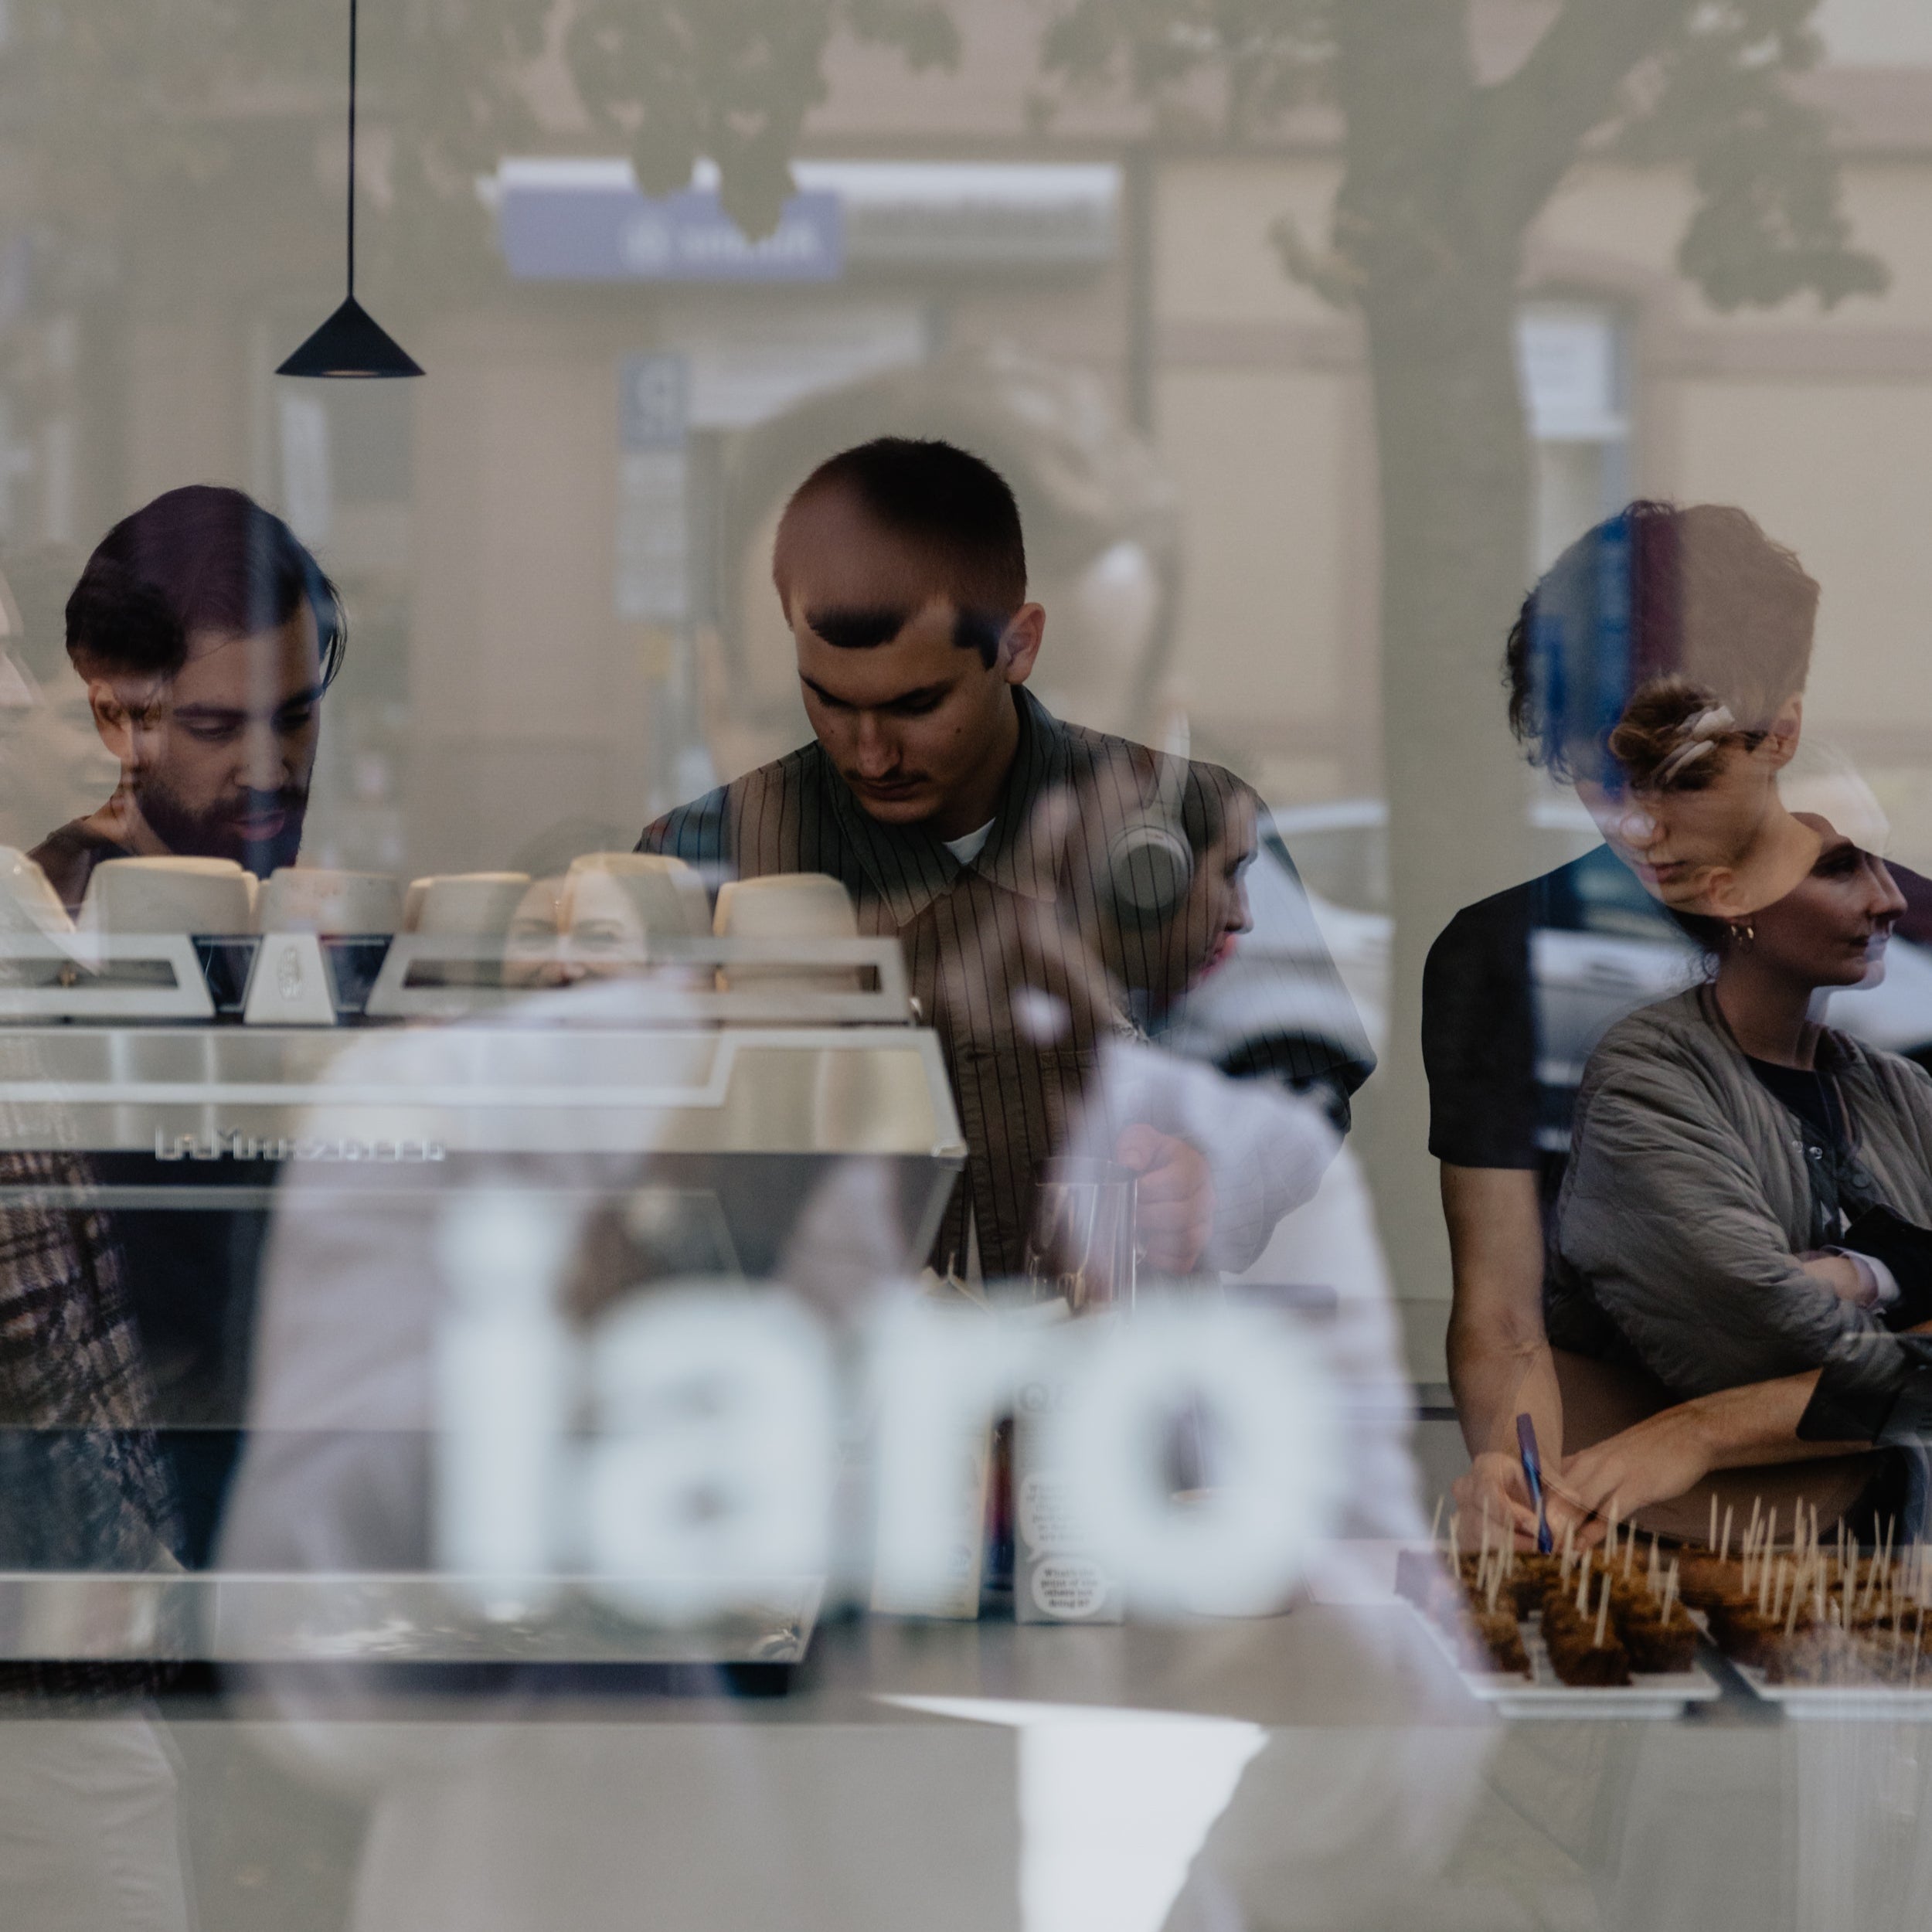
(1490, 1102)
(1808, 1095)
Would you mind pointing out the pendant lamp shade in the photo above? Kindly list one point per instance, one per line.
(352, 342)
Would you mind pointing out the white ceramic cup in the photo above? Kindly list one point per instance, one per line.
(302, 899)
(168, 894)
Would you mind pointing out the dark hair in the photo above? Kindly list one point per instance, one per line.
(203, 558)
(1709, 933)
(1657, 615)
(954, 509)
(1673, 736)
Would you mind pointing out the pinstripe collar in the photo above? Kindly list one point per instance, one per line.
(911, 868)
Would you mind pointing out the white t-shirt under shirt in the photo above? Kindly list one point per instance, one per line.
(966, 849)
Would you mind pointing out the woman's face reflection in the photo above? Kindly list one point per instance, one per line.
(1832, 930)
(591, 912)
(1215, 912)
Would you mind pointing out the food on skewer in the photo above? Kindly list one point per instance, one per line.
(1492, 1641)
(1602, 1616)
(1814, 1612)
(1708, 1580)
(1530, 1577)
(1471, 1603)
(1804, 1609)
(1659, 1635)
(1583, 1649)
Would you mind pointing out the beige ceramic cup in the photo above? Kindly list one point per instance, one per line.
(801, 906)
(301, 899)
(169, 895)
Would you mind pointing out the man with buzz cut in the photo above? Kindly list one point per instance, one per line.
(965, 820)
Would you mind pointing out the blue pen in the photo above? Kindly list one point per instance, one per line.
(1532, 1470)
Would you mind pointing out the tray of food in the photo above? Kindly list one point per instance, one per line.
(1589, 1634)
(1817, 1625)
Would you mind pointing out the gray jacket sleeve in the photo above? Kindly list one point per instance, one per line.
(1682, 1241)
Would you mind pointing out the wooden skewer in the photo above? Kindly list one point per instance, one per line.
(1602, 1612)
(1582, 1586)
(1724, 1548)
(1670, 1594)
(1711, 1540)
(1651, 1580)
(1757, 1509)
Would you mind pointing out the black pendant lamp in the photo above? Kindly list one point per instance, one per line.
(352, 342)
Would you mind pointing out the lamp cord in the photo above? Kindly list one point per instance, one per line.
(351, 149)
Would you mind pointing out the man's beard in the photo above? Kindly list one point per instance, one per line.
(217, 833)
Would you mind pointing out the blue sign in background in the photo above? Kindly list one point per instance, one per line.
(613, 235)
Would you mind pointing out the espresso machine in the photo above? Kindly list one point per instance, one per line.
(188, 1074)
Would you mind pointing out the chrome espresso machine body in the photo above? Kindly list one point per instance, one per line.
(709, 1083)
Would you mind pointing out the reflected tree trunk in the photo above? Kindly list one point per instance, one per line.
(1455, 494)
(1443, 175)
(1437, 286)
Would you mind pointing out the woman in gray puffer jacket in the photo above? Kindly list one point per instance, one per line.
(1725, 1141)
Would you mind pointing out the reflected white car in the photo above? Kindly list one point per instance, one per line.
(1320, 881)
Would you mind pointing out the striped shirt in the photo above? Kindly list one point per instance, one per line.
(82, 1483)
(1047, 907)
